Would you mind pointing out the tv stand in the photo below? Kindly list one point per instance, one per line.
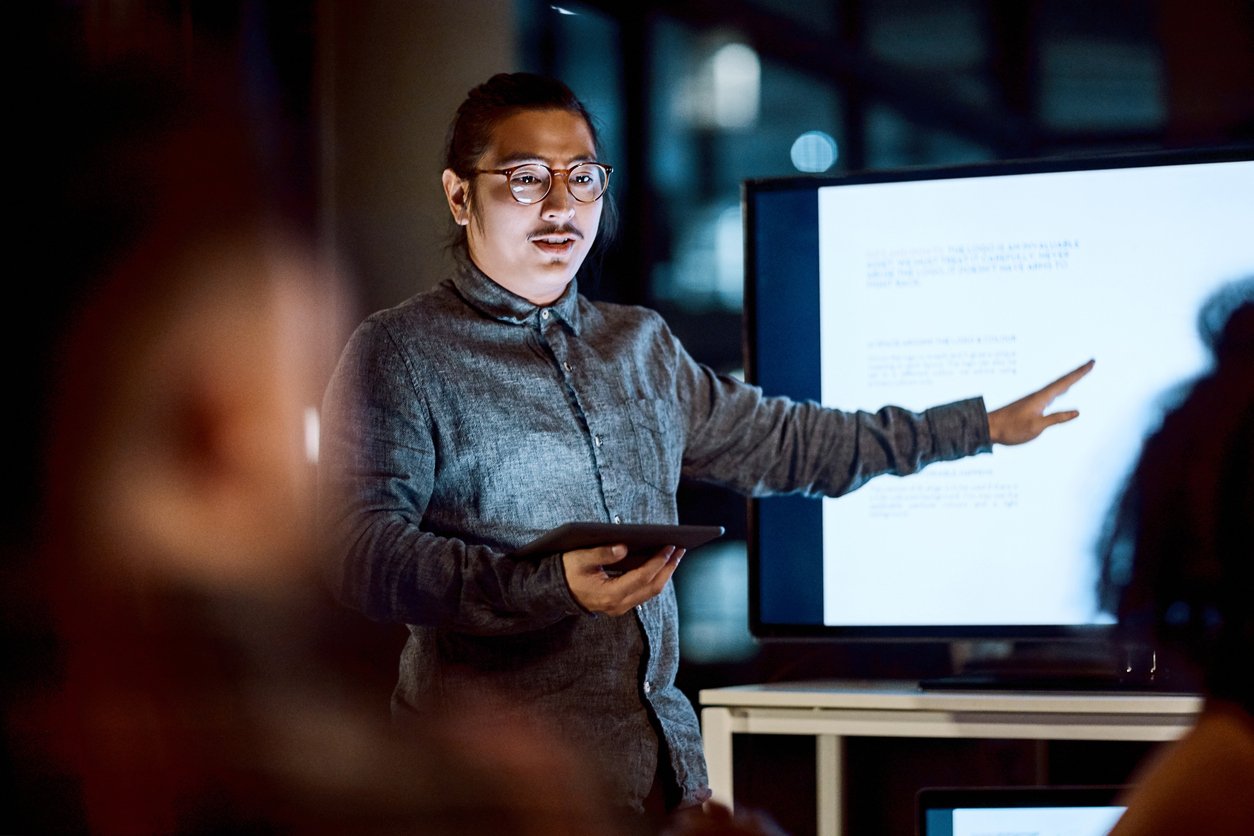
(1045, 683)
(1053, 667)
(835, 709)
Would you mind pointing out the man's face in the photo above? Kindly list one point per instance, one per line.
(533, 251)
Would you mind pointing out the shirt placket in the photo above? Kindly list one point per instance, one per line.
(578, 383)
(574, 381)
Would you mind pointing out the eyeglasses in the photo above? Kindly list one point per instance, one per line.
(531, 183)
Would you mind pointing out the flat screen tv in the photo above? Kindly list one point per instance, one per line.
(922, 287)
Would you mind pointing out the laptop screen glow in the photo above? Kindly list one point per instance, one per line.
(1023, 821)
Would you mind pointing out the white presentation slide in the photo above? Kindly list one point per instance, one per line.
(1037, 821)
(934, 291)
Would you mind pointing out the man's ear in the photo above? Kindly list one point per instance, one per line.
(457, 191)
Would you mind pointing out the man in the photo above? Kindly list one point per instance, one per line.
(470, 419)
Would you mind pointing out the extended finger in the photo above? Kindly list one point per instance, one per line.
(668, 569)
(668, 554)
(1061, 417)
(1068, 380)
(658, 581)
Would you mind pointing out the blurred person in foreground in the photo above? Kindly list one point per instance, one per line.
(469, 420)
(1179, 570)
(185, 690)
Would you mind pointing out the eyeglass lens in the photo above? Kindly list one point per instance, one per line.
(530, 183)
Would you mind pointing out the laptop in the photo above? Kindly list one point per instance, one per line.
(1023, 811)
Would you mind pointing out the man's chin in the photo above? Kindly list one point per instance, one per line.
(566, 262)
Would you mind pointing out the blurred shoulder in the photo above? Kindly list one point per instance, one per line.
(1200, 784)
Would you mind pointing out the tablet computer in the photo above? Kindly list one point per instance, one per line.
(643, 541)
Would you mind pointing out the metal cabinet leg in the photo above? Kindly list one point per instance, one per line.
(829, 759)
(716, 737)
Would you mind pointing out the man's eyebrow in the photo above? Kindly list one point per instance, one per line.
(522, 157)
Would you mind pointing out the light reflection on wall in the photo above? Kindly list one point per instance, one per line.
(813, 152)
(719, 114)
(709, 271)
(737, 86)
(723, 89)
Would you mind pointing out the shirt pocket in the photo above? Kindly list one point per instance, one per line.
(659, 442)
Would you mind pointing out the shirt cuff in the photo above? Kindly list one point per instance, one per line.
(959, 429)
(553, 573)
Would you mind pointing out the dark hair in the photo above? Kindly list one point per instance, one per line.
(1178, 559)
(485, 107)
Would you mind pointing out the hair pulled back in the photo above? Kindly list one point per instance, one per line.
(489, 104)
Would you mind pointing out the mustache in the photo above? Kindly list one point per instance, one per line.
(569, 230)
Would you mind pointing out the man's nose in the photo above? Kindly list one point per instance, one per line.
(559, 203)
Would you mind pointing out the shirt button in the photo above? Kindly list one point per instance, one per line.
(544, 314)
(617, 518)
(596, 439)
(566, 366)
(648, 687)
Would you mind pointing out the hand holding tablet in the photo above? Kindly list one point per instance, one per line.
(600, 590)
(612, 568)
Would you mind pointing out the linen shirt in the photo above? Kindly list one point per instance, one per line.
(467, 421)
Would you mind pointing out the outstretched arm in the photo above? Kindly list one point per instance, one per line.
(1025, 419)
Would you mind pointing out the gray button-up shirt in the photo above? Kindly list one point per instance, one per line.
(467, 421)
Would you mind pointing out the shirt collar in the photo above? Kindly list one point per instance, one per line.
(500, 304)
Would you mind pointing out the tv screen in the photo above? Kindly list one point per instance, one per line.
(922, 287)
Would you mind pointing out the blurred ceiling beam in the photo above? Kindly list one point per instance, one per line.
(1010, 128)
(833, 57)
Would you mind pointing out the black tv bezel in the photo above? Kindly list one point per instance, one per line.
(1091, 633)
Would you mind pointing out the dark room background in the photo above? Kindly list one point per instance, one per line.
(692, 98)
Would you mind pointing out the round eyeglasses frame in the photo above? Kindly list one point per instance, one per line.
(509, 173)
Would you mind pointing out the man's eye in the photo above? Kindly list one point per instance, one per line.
(526, 180)
(583, 179)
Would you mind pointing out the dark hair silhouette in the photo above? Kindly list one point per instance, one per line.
(489, 104)
(1178, 561)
